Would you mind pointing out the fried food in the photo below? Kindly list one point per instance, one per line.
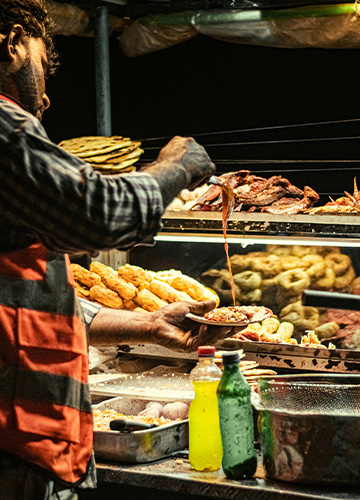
(294, 281)
(325, 282)
(327, 330)
(196, 290)
(135, 275)
(83, 293)
(339, 262)
(248, 280)
(167, 292)
(105, 296)
(149, 301)
(344, 281)
(109, 277)
(85, 276)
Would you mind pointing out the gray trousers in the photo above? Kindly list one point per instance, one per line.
(21, 482)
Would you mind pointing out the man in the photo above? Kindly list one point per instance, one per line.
(52, 203)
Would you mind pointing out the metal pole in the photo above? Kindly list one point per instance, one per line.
(102, 72)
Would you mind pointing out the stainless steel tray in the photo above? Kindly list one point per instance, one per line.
(139, 446)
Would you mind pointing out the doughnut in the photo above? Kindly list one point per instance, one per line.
(135, 275)
(222, 287)
(251, 297)
(85, 276)
(269, 266)
(302, 317)
(294, 281)
(315, 266)
(325, 282)
(327, 330)
(301, 251)
(248, 280)
(291, 262)
(167, 292)
(339, 262)
(239, 263)
(280, 250)
(105, 296)
(149, 301)
(326, 250)
(210, 276)
(345, 280)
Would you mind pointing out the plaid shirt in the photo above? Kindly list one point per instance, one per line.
(48, 195)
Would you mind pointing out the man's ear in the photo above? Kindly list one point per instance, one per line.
(9, 43)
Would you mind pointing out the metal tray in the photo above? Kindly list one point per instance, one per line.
(139, 446)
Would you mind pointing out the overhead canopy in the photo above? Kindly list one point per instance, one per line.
(332, 25)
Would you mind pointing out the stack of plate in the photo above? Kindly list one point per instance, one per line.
(108, 155)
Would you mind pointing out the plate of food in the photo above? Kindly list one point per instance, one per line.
(233, 315)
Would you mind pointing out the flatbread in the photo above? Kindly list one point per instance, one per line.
(89, 145)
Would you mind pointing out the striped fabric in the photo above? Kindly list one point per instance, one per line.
(51, 196)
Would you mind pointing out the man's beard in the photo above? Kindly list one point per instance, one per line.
(26, 83)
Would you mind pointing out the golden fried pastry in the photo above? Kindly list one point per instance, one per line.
(85, 276)
(248, 280)
(301, 251)
(315, 266)
(81, 292)
(325, 282)
(251, 297)
(135, 275)
(327, 330)
(294, 281)
(269, 266)
(110, 279)
(344, 281)
(291, 262)
(285, 330)
(270, 325)
(105, 296)
(280, 250)
(302, 317)
(149, 301)
(210, 276)
(167, 292)
(239, 263)
(130, 305)
(196, 290)
(167, 276)
(339, 262)
(222, 287)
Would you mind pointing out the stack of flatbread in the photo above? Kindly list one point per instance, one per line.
(108, 155)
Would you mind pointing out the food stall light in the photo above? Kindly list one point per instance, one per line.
(257, 240)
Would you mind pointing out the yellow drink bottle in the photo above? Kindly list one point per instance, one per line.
(205, 448)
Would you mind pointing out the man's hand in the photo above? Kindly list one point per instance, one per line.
(193, 158)
(170, 327)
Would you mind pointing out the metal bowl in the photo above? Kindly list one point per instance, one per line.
(309, 428)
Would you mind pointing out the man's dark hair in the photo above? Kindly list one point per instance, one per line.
(34, 18)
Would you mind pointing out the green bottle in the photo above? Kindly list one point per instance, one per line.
(236, 420)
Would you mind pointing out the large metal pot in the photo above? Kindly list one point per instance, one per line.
(309, 428)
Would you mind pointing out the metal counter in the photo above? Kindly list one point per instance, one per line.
(175, 477)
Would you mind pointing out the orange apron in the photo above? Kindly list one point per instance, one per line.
(45, 407)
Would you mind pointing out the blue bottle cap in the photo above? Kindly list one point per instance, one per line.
(230, 357)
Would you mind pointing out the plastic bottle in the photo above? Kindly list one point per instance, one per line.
(205, 448)
(236, 420)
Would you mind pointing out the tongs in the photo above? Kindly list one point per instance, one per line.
(120, 424)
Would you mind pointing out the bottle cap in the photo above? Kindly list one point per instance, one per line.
(206, 351)
(230, 357)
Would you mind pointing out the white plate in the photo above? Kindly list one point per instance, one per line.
(257, 319)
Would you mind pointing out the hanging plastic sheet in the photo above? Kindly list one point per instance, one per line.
(333, 26)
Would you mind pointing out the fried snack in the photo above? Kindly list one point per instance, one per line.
(327, 330)
(85, 276)
(269, 265)
(196, 290)
(109, 277)
(280, 250)
(167, 276)
(105, 296)
(248, 280)
(326, 250)
(270, 325)
(222, 288)
(344, 281)
(315, 266)
(209, 277)
(285, 330)
(355, 286)
(302, 317)
(291, 262)
(149, 301)
(325, 282)
(251, 297)
(167, 292)
(301, 251)
(294, 281)
(135, 275)
(81, 292)
(339, 262)
(240, 263)
(130, 305)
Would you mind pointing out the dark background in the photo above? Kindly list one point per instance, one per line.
(205, 87)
